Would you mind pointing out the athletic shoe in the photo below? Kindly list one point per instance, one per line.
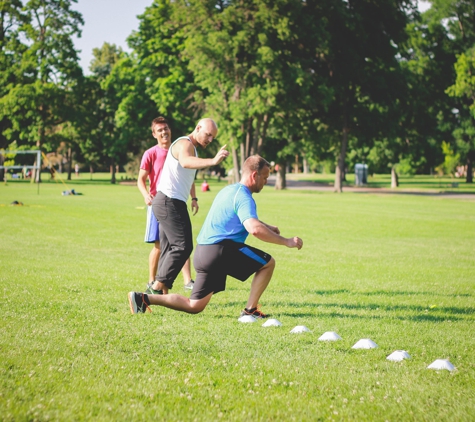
(190, 285)
(137, 303)
(151, 291)
(255, 312)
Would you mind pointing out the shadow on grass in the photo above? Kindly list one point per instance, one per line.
(413, 312)
(386, 293)
(417, 318)
(426, 313)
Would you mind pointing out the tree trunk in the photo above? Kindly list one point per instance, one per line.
(256, 136)
(70, 162)
(243, 153)
(236, 172)
(112, 169)
(247, 152)
(394, 178)
(2, 171)
(340, 168)
(262, 134)
(305, 166)
(469, 176)
(280, 182)
(340, 172)
(42, 134)
(296, 164)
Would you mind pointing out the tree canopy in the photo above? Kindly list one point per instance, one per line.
(333, 82)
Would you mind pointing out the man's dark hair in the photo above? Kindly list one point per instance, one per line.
(158, 120)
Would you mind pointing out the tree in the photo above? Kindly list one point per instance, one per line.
(100, 138)
(246, 56)
(38, 98)
(162, 82)
(456, 19)
(464, 89)
(361, 63)
(153, 80)
(12, 17)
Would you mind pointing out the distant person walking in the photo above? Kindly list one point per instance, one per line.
(76, 170)
(151, 168)
(221, 250)
(169, 204)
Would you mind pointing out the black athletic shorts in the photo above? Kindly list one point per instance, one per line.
(214, 262)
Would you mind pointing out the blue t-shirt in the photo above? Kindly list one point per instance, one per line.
(232, 206)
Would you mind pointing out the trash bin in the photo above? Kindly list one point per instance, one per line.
(361, 174)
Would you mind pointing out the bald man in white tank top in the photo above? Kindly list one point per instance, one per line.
(169, 205)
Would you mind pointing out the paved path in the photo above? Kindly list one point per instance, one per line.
(306, 185)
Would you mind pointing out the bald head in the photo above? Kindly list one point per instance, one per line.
(208, 123)
(205, 131)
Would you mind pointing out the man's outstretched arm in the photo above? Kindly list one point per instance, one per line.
(267, 234)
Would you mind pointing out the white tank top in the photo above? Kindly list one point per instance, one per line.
(175, 180)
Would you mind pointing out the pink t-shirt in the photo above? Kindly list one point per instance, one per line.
(152, 161)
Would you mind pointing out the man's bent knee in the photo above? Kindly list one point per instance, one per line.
(270, 264)
(197, 307)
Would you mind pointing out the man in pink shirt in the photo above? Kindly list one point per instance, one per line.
(151, 168)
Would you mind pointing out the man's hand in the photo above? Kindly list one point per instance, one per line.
(221, 155)
(194, 207)
(148, 199)
(294, 242)
(142, 185)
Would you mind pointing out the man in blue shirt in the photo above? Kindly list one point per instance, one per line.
(221, 250)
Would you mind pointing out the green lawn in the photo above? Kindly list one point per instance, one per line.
(398, 269)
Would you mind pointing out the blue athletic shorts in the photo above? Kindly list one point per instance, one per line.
(152, 233)
(213, 263)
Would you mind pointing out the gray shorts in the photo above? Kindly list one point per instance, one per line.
(213, 263)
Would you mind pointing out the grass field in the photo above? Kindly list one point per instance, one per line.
(398, 269)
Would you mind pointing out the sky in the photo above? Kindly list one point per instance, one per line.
(423, 5)
(109, 21)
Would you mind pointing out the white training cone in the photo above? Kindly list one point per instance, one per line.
(365, 343)
(300, 329)
(441, 364)
(398, 356)
(329, 336)
(272, 323)
(247, 318)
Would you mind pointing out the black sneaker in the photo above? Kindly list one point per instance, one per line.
(190, 285)
(151, 291)
(138, 303)
(255, 312)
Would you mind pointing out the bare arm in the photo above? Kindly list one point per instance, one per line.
(142, 185)
(269, 234)
(275, 229)
(184, 152)
(194, 203)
